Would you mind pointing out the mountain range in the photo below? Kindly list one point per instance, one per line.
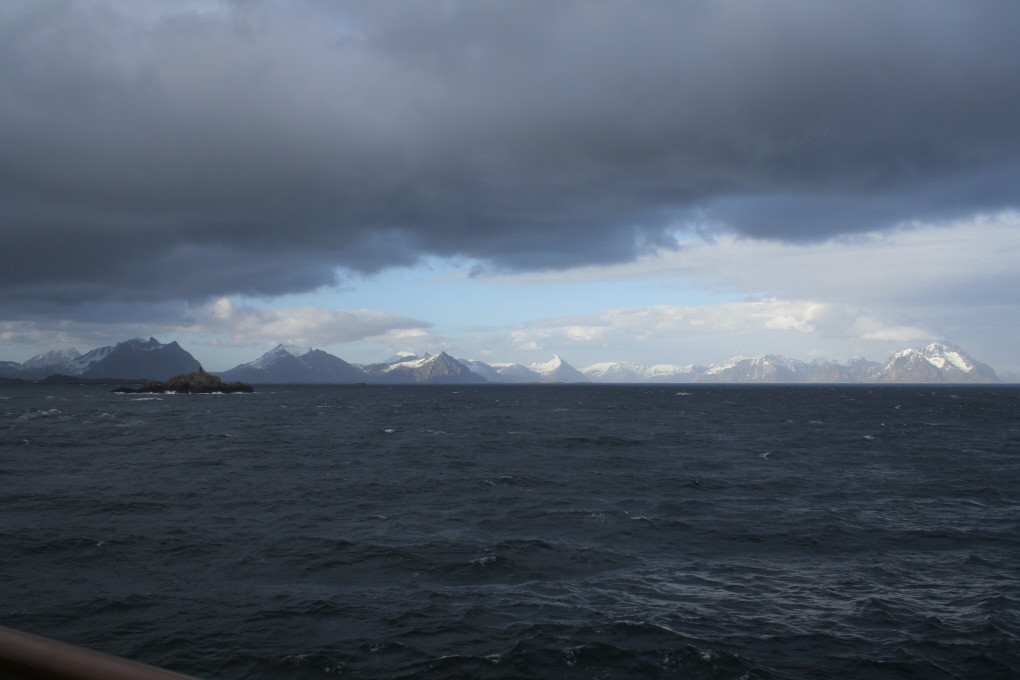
(150, 359)
(135, 359)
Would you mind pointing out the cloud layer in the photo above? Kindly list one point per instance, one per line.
(218, 323)
(192, 150)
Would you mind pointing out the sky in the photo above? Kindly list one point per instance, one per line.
(657, 182)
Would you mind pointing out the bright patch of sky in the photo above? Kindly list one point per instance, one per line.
(456, 300)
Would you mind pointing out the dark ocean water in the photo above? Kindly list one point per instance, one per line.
(520, 531)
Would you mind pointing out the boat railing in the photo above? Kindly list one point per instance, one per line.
(27, 656)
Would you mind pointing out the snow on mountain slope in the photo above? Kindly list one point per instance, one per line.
(672, 372)
(558, 370)
(51, 359)
(767, 369)
(438, 368)
(516, 373)
(482, 369)
(416, 362)
(936, 362)
(615, 371)
(81, 363)
(725, 365)
(547, 367)
(274, 355)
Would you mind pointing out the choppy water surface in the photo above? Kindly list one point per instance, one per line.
(520, 532)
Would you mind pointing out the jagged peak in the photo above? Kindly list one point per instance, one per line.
(549, 366)
(141, 343)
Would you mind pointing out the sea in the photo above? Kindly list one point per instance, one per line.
(528, 531)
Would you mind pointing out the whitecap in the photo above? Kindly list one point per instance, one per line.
(47, 413)
(484, 559)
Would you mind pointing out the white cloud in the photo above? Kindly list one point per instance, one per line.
(752, 316)
(307, 325)
(916, 264)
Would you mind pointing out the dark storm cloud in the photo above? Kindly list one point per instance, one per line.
(254, 147)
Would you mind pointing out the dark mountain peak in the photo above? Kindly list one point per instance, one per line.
(431, 368)
(135, 358)
(284, 364)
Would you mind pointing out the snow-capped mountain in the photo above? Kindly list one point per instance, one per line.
(438, 368)
(857, 370)
(481, 369)
(936, 363)
(516, 373)
(130, 360)
(290, 365)
(40, 365)
(672, 373)
(558, 370)
(137, 358)
(767, 369)
(81, 363)
(133, 359)
(615, 372)
(742, 369)
(293, 365)
(52, 359)
(627, 372)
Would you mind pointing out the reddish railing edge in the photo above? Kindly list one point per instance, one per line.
(26, 655)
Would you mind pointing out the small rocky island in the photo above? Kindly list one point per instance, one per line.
(198, 382)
